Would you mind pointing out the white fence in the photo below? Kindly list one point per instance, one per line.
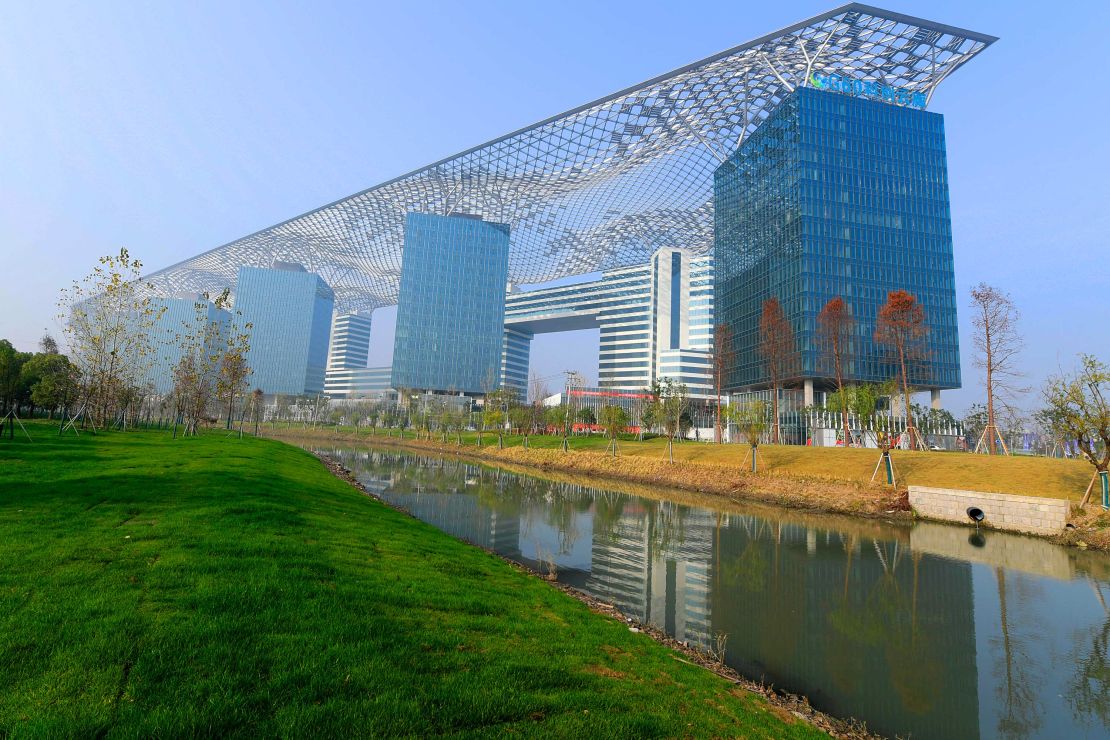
(826, 429)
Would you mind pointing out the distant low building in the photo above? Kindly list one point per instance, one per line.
(356, 383)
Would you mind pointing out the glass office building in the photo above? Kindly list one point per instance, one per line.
(181, 323)
(451, 304)
(836, 195)
(826, 194)
(290, 311)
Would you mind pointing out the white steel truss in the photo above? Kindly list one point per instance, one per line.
(604, 185)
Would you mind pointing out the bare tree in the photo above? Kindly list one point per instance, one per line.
(192, 391)
(494, 414)
(780, 355)
(490, 384)
(835, 326)
(520, 417)
(48, 345)
(901, 327)
(574, 380)
(536, 408)
(722, 361)
(200, 376)
(282, 409)
(256, 408)
(997, 346)
(232, 378)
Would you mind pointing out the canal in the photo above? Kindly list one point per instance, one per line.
(923, 631)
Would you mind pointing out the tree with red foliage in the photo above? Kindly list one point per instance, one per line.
(834, 332)
(780, 354)
(901, 327)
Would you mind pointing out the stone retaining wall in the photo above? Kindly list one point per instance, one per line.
(1002, 510)
(996, 549)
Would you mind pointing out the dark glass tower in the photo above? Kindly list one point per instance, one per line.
(451, 306)
(836, 195)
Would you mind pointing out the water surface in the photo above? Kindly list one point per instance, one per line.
(926, 631)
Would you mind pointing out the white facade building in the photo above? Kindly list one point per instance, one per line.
(347, 376)
(655, 320)
(350, 341)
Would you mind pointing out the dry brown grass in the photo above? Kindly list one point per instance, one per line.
(815, 478)
(1026, 476)
(793, 490)
(1091, 529)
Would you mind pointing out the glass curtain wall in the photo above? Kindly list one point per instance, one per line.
(837, 196)
(451, 306)
(290, 311)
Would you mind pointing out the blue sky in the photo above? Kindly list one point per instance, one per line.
(171, 129)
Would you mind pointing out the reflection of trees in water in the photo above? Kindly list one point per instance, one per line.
(878, 619)
(666, 522)
(750, 571)
(407, 474)
(915, 671)
(765, 574)
(886, 621)
(1017, 690)
(846, 662)
(785, 614)
(554, 503)
(535, 500)
(1088, 692)
(608, 510)
(557, 511)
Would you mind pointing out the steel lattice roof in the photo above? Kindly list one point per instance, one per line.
(603, 185)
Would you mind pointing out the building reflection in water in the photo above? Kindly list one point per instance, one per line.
(917, 631)
(860, 623)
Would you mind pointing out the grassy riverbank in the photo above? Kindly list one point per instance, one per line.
(1023, 475)
(823, 479)
(220, 586)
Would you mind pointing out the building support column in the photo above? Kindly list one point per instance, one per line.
(808, 392)
(934, 397)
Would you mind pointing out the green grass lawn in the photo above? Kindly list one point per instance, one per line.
(218, 586)
(1022, 475)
